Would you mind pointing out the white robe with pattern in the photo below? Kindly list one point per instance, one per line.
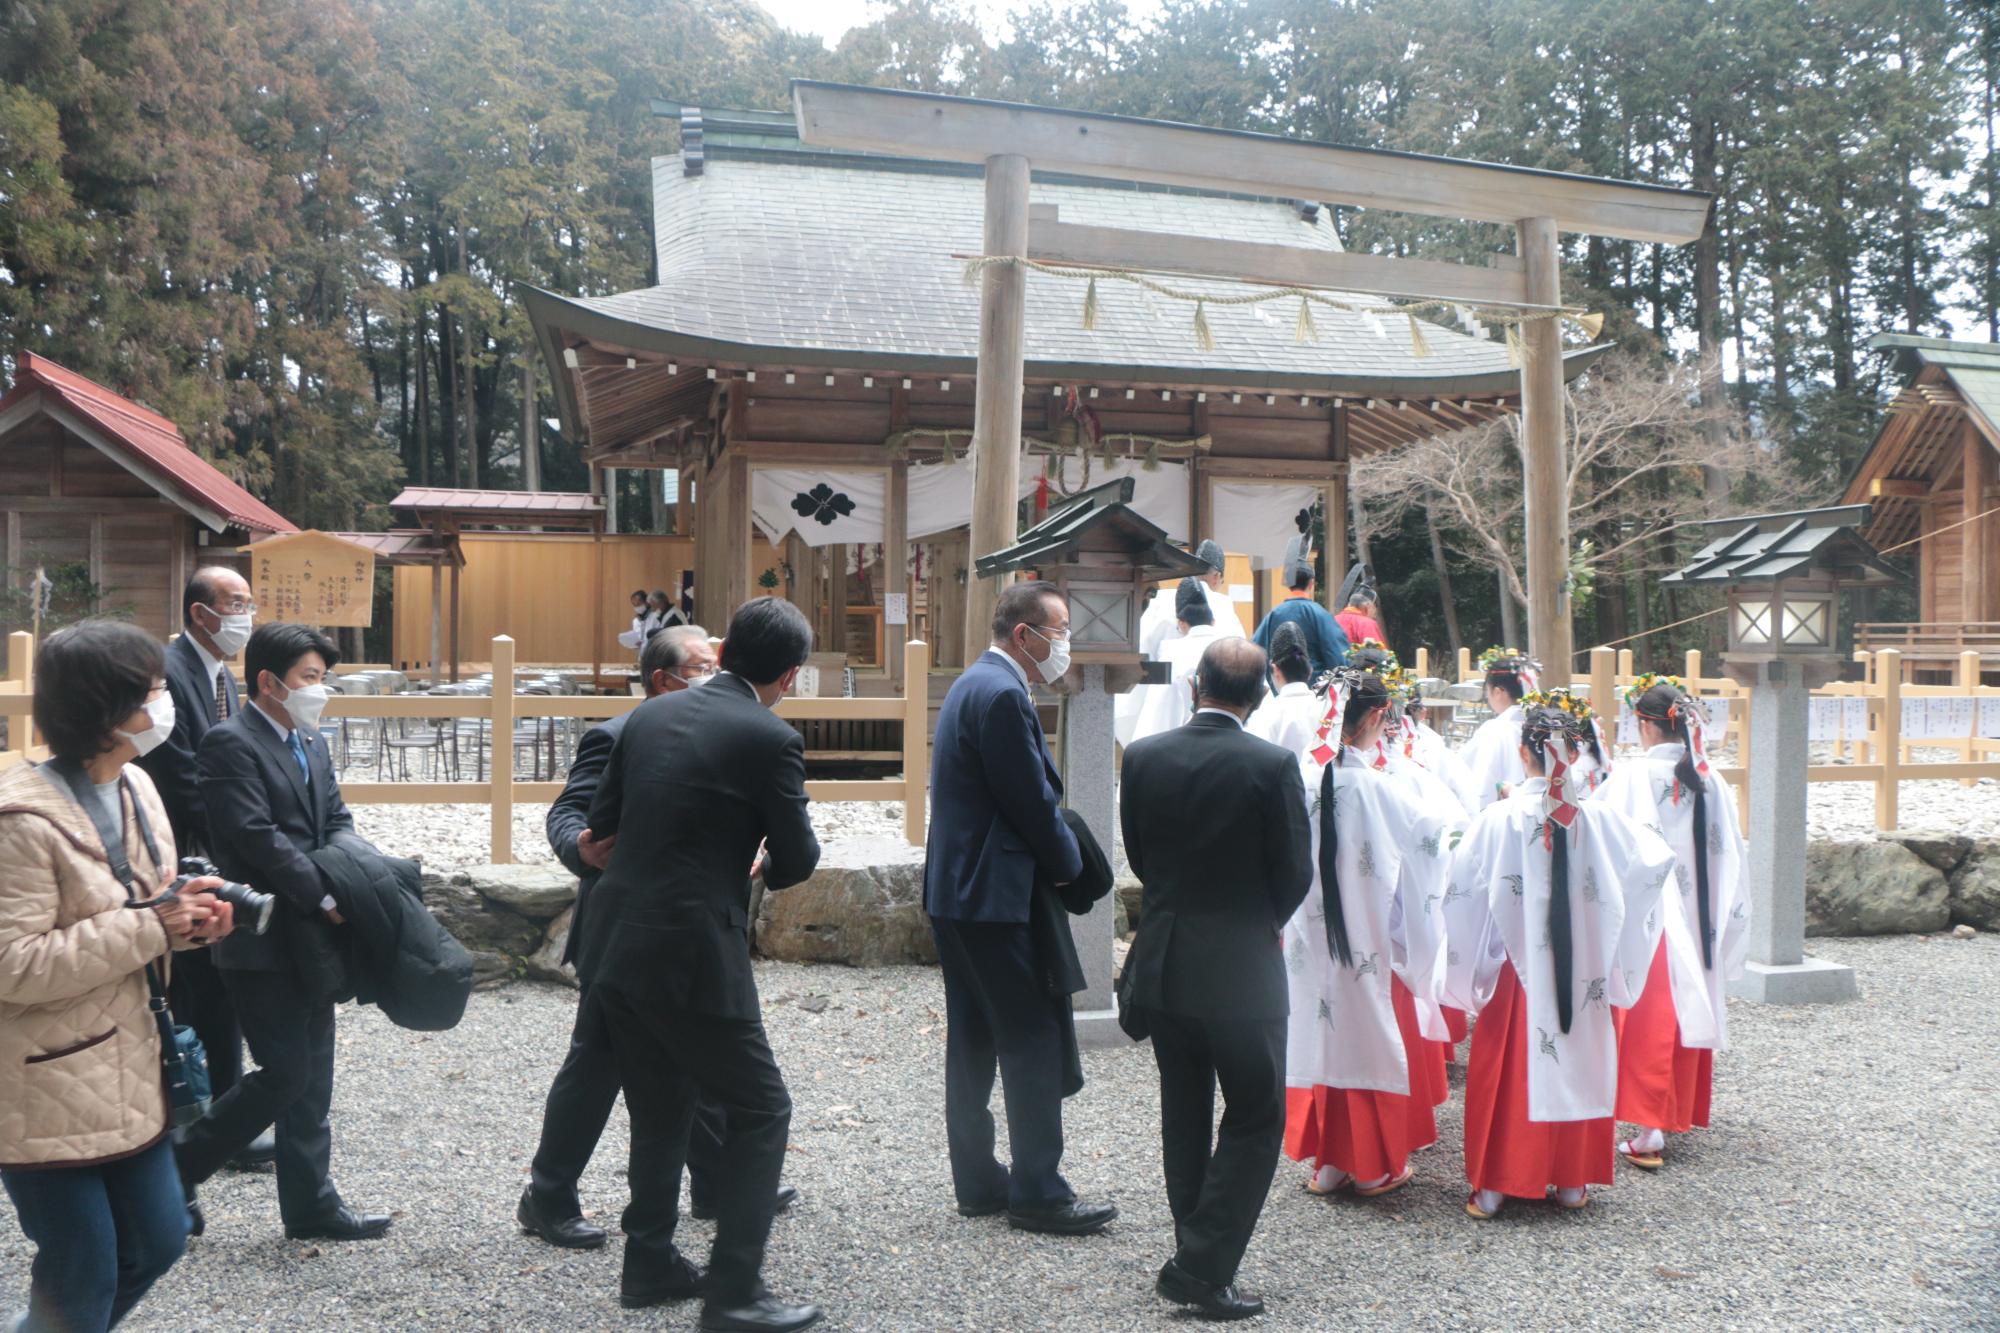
(1289, 719)
(1493, 756)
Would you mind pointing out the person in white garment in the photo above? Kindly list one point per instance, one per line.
(1668, 1040)
(1430, 749)
(1493, 753)
(1160, 625)
(1553, 915)
(1364, 962)
(1168, 706)
(1289, 714)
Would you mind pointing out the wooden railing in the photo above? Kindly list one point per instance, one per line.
(501, 790)
(17, 702)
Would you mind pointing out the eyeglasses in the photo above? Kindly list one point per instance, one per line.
(1051, 632)
(241, 607)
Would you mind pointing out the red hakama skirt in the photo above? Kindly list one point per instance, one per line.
(1504, 1150)
(1455, 1024)
(1365, 1133)
(1661, 1083)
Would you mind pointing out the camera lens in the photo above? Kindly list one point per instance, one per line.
(253, 909)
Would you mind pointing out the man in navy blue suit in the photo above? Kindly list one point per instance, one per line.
(996, 822)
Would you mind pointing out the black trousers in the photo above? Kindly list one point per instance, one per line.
(998, 1016)
(291, 1038)
(668, 1060)
(579, 1106)
(1217, 1179)
(200, 999)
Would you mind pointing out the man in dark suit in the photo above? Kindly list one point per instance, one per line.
(1215, 828)
(586, 1087)
(216, 612)
(996, 819)
(697, 783)
(271, 797)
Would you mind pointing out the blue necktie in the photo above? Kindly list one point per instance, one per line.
(299, 753)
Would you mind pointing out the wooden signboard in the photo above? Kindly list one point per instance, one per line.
(313, 578)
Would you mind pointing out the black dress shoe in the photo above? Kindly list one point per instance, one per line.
(1215, 1302)
(982, 1209)
(1073, 1218)
(342, 1224)
(766, 1314)
(679, 1281)
(705, 1211)
(256, 1155)
(197, 1221)
(569, 1233)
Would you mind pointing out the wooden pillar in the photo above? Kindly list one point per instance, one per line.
(437, 622)
(1333, 499)
(798, 587)
(610, 476)
(896, 577)
(1546, 458)
(597, 605)
(502, 767)
(836, 598)
(996, 419)
(454, 625)
(916, 659)
(734, 548)
(1976, 601)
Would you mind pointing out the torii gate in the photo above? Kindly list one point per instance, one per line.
(1008, 138)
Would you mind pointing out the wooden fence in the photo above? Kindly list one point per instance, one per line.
(501, 790)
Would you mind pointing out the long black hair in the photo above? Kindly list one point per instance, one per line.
(1288, 653)
(1668, 707)
(1365, 694)
(1542, 725)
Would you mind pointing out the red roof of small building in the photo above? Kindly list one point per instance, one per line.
(150, 444)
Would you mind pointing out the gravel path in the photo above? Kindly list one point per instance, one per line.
(1852, 1181)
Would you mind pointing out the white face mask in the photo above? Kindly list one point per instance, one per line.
(304, 705)
(1052, 667)
(161, 711)
(233, 633)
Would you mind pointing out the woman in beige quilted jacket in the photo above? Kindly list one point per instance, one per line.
(84, 1153)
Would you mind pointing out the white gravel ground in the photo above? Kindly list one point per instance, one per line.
(1852, 1181)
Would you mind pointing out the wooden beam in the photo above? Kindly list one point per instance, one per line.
(1977, 580)
(1882, 488)
(1545, 459)
(961, 129)
(1058, 242)
(996, 413)
(896, 575)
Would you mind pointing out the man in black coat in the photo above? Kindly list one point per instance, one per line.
(1215, 828)
(271, 797)
(586, 1087)
(216, 611)
(697, 784)
(996, 825)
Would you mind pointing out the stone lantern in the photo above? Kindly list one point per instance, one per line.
(1104, 556)
(1782, 575)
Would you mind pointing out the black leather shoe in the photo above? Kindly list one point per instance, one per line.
(766, 1314)
(257, 1155)
(982, 1209)
(1074, 1218)
(568, 1233)
(197, 1221)
(342, 1224)
(705, 1211)
(679, 1281)
(1212, 1301)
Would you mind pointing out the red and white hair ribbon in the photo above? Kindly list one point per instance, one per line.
(1557, 804)
(1697, 721)
(1326, 740)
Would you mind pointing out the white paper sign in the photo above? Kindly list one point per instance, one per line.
(806, 685)
(1989, 718)
(896, 608)
(1916, 720)
(1854, 719)
(1823, 720)
(1628, 726)
(1242, 592)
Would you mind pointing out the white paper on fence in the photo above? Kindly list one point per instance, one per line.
(1628, 725)
(1823, 720)
(895, 608)
(1854, 719)
(1989, 718)
(1916, 720)
(848, 510)
(1951, 718)
(1716, 708)
(1257, 518)
(1160, 496)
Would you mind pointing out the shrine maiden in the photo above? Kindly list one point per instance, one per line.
(1667, 1041)
(1290, 715)
(1364, 960)
(1493, 753)
(1430, 749)
(1168, 706)
(1553, 913)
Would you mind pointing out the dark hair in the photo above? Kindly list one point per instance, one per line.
(201, 590)
(1667, 707)
(1508, 680)
(1191, 603)
(1288, 653)
(1542, 725)
(1365, 696)
(1301, 578)
(1021, 604)
(666, 650)
(89, 678)
(1231, 672)
(277, 648)
(768, 636)
(640, 593)
(1366, 692)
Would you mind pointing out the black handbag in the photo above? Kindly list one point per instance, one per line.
(183, 1060)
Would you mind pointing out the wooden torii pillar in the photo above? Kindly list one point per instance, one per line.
(1007, 138)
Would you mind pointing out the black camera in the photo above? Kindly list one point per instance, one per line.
(253, 909)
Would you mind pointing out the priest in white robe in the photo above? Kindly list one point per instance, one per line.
(1668, 1040)
(1290, 714)
(1492, 755)
(1159, 625)
(1168, 706)
(1553, 916)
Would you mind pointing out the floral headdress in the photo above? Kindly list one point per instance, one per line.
(1562, 721)
(1510, 660)
(1374, 655)
(1685, 713)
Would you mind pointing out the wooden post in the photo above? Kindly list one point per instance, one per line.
(1625, 663)
(896, 577)
(1974, 544)
(1968, 680)
(437, 622)
(1604, 690)
(1546, 464)
(1691, 668)
(597, 605)
(454, 625)
(21, 673)
(916, 738)
(1889, 738)
(1423, 663)
(996, 412)
(1464, 665)
(734, 548)
(1333, 496)
(502, 769)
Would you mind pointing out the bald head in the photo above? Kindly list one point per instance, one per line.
(1231, 676)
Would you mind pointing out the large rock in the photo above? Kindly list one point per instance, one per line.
(1975, 886)
(545, 963)
(1129, 891)
(1938, 847)
(499, 938)
(855, 909)
(538, 892)
(1872, 888)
